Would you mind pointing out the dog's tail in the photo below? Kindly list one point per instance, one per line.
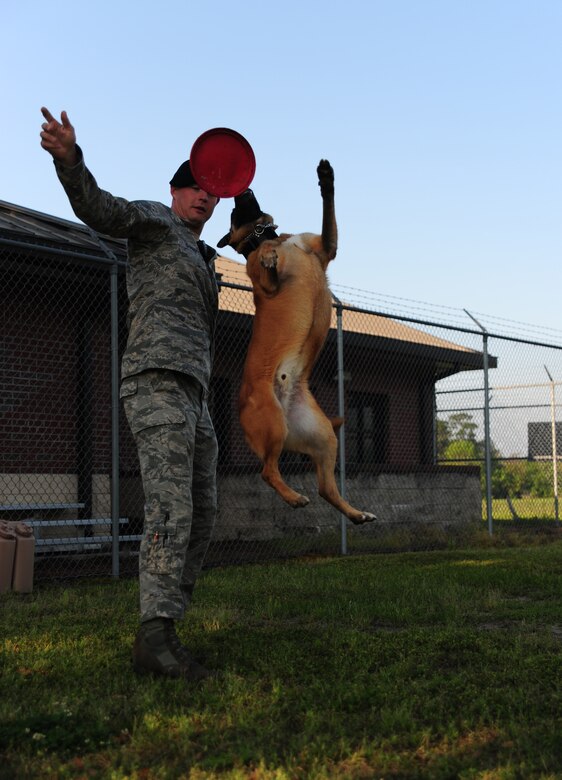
(337, 423)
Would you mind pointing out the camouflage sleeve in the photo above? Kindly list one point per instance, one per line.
(102, 211)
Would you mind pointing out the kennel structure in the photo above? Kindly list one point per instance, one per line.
(65, 450)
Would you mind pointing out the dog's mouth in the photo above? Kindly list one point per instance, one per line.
(262, 231)
(246, 211)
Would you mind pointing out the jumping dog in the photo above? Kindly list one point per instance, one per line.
(293, 313)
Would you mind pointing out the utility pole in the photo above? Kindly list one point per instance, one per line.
(554, 454)
(487, 441)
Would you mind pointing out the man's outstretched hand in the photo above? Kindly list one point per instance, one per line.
(59, 138)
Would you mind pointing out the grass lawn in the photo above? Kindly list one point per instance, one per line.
(443, 664)
(528, 507)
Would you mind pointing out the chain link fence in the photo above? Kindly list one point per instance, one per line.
(513, 424)
(447, 426)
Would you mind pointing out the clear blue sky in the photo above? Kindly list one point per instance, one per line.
(442, 119)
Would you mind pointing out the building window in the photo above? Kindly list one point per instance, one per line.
(366, 430)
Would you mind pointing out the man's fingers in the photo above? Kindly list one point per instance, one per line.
(58, 139)
(47, 114)
(53, 123)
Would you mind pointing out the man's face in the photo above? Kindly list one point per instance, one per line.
(193, 205)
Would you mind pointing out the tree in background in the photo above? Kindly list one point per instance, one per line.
(457, 427)
(456, 439)
(460, 446)
(457, 443)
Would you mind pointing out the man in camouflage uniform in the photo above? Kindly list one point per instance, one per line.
(165, 372)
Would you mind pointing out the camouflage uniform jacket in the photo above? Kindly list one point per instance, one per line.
(173, 296)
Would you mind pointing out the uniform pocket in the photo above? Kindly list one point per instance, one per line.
(152, 399)
(148, 417)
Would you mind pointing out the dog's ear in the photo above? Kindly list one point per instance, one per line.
(246, 210)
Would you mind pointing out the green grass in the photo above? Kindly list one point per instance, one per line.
(527, 507)
(444, 664)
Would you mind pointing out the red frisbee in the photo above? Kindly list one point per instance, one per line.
(222, 162)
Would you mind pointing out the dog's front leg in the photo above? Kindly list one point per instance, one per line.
(269, 274)
(329, 225)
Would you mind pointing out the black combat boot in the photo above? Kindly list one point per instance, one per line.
(158, 650)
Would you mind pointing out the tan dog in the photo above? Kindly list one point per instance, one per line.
(293, 313)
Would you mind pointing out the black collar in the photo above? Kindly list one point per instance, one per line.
(259, 234)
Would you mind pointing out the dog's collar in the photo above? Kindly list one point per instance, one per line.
(260, 233)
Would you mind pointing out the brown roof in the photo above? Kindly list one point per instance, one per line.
(241, 302)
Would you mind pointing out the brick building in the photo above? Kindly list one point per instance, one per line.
(62, 329)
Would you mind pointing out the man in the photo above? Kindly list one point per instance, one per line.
(165, 374)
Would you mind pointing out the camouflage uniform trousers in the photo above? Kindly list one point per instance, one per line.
(168, 416)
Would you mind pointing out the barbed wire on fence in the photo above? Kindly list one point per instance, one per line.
(445, 316)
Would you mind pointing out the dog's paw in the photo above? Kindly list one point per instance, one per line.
(268, 259)
(325, 177)
(363, 517)
(299, 501)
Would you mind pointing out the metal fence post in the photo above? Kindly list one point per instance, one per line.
(115, 419)
(487, 442)
(341, 412)
(435, 442)
(114, 326)
(554, 453)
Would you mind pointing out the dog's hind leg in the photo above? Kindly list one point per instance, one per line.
(272, 476)
(312, 433)
(265, 429)
(328, 490)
